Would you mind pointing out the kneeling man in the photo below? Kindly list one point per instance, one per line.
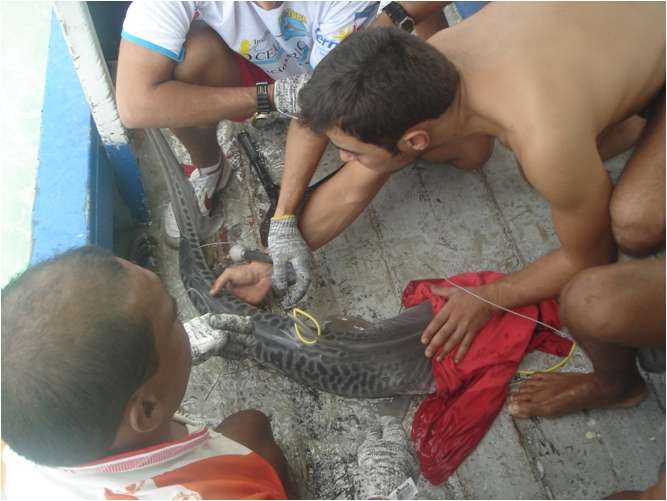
(554, 83)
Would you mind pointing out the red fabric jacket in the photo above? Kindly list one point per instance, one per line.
(451, 422)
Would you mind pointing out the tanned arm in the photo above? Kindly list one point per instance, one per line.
(578, 190)
(148, 95)
(330, 209)
(338, 202)
(419, 11)
(303, 151)
(578, 195)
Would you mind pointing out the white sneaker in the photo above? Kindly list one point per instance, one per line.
(205, 187)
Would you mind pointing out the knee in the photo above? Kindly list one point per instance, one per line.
(637, 228)
(203, 49)
(251, 428)
(587, 305)
(255, 419)
(251, 419)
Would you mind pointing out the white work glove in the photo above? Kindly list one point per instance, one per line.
(286, 94)
(384, 459)
(209, 334)
(286, 245)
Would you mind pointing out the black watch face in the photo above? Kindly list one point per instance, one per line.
(407, 24)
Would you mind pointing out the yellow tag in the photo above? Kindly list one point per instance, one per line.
(297, 311)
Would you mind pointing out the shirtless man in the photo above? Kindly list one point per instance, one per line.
(560, 87)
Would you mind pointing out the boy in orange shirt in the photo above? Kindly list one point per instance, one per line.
(95, 364)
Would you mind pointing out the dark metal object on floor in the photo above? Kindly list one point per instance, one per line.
(143, 251)
(272, 189)
(651, 359)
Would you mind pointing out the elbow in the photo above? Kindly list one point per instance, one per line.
(130, 116)
(603, 255)
(133, 110)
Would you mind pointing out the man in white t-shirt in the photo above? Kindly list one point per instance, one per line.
(188, 65)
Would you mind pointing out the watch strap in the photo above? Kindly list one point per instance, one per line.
(263, 103)
(398, 16)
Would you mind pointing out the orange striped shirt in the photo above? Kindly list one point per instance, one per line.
(202, 465)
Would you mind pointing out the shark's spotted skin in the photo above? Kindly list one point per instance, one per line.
(384, 359)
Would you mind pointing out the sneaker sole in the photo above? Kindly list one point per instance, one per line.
(173, 241)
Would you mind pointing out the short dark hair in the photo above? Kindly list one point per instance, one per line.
(73, 353)
(376, 85)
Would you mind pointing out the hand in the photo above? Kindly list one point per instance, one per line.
(209, 333)
(286, 245)
(384, 459)
(249, 282)
(458, 322)
(286, 94)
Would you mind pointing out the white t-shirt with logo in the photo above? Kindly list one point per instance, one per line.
(287, 40)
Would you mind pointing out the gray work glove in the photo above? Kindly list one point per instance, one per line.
(384, 459)
(209, 333)
(287, 246)
(286, 94)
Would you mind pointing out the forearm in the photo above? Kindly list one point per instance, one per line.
(419, 11)
(177, 104)
(338, 202)
(303, 152)
(544, 278)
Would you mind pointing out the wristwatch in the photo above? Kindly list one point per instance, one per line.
(260, 118)
(399, 16)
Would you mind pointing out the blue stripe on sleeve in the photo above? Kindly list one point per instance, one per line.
(468, 8)
(149, 45)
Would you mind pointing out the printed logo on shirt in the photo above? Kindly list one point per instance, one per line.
(360, 18)
(292, 24)
(265, 51)
(331, 41)
(366, 13)
(272, 57)
(147, 489)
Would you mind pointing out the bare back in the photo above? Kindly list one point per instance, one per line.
(554, 64)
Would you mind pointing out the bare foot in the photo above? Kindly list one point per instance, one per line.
(556, 394)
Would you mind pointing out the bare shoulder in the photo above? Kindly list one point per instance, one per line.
(561, 163)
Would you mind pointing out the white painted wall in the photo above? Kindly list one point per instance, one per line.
(24, 37)
(84, 46)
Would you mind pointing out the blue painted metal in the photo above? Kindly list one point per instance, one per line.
(123, 161)
(101, 198)
(108, 20)
(74, 186)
